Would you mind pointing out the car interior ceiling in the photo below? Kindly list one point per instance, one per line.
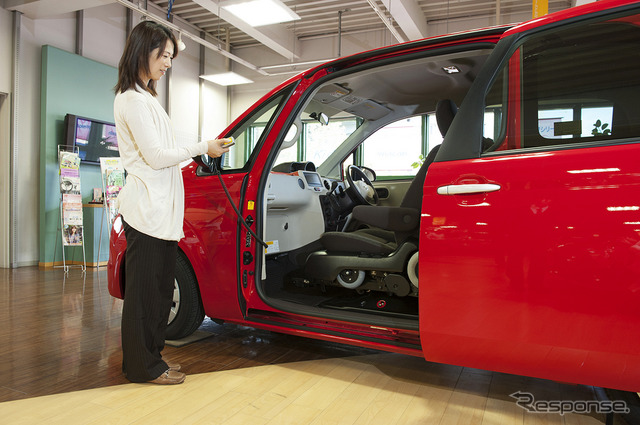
(420, 83)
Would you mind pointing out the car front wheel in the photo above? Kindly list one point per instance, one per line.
(187, 312)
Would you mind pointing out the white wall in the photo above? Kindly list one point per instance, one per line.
(5, 152)
(59, 32)
(6, 47)
(104, 36)
(185, 92)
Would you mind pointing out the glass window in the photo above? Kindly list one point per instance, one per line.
(250, 132)
(398, 149)
(317, 141)
(393, 149)
(493, 131)
(322, 140)
(567, 123)
(289, 154)
(577, 85)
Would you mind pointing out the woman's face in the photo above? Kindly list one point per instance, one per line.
(158, 64)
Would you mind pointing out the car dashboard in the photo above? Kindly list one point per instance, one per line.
(300, 206)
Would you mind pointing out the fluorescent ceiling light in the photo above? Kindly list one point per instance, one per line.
(260, 12)
(226, 79)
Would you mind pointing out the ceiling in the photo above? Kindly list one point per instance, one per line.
(320, 18)
(402, 20)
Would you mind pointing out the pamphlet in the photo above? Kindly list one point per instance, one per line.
(113, 180)
(71, 198)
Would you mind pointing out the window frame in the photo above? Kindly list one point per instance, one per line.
(512, 67)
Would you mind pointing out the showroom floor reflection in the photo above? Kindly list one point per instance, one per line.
(62, 335)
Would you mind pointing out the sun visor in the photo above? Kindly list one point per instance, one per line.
(340, 98)
(331, 93)
(368, 109)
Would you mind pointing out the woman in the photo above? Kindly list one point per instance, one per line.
(151, 202)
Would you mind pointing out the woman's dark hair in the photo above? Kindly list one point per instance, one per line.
(144, 38)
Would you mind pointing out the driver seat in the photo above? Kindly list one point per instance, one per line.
(387, 250)
(395, 224)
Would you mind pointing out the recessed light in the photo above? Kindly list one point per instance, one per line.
(226, 79)
(260, 12)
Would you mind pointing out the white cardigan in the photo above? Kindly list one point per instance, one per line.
(152, 200)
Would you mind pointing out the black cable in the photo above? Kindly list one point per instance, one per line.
(214, 169)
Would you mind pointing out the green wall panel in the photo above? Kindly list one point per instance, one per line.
(71, 84)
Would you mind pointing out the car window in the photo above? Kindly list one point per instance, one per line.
(577, 85)
(317, 141)
(398, 149)
(322, 140)
(249, 133)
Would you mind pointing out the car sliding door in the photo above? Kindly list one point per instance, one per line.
(530, 251)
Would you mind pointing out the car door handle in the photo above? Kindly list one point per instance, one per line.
(460, 189)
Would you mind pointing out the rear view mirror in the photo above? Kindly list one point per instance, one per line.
(322, 118)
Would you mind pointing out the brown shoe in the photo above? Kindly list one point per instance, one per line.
(173, 366)
(170, 377)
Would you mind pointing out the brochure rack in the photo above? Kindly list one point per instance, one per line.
(71, 226)
(113, 177)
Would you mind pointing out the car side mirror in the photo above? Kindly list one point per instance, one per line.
(208, 163)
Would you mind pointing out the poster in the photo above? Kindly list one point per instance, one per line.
(113, 180)
(71, 208)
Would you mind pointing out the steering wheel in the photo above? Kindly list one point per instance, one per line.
(361, 187)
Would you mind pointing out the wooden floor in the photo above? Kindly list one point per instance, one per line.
(60, 362)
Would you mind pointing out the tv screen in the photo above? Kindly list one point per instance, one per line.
(93, 138)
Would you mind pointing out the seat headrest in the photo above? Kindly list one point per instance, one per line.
(446, 110)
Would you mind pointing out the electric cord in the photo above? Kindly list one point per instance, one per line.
(214, 169)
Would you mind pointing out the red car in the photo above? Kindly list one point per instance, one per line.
(513, 245)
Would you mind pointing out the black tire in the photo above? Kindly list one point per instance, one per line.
(633, 404)
(187, 312)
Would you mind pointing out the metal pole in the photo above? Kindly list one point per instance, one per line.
(13, 220)
(340, 32)
(79, 31)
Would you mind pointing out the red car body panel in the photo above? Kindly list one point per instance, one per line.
(501, 289)
(519, 284)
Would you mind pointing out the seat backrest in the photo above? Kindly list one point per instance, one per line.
(445, 112)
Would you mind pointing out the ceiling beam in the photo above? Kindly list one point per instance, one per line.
(387, 21)
(275, 37)
(196, 38)
(409, 16)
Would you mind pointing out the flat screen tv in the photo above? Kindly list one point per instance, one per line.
(93, 138)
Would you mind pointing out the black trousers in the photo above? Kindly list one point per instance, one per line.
(149, 279)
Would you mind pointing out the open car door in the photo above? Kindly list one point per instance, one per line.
(530, 234)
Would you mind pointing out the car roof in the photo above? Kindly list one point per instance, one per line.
(505, 30)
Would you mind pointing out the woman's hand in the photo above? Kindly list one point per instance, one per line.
(217, 148)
